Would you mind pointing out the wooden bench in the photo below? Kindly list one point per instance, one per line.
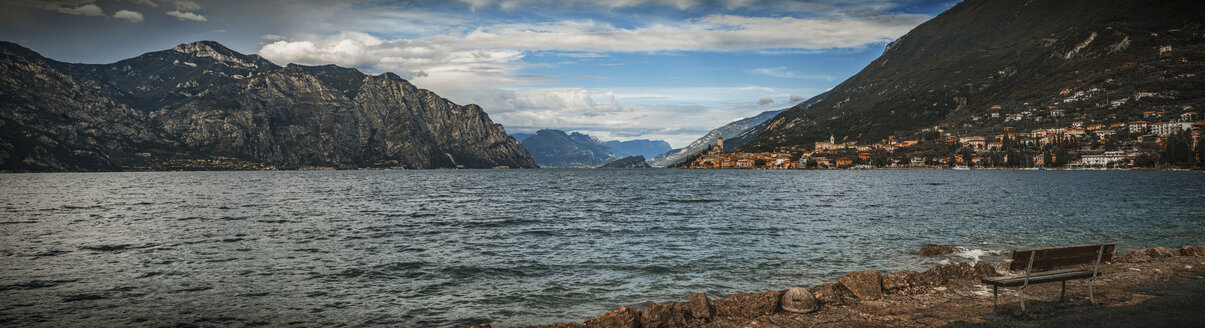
(1052, 264)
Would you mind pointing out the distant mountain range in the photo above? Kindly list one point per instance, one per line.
(967, 70)
(202, 103)
(555, 148)
(736, 134)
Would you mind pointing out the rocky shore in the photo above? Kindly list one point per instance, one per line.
(945, 295)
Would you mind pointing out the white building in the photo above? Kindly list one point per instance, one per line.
(1104, 160)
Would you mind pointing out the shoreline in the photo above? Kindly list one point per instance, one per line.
(945, 295)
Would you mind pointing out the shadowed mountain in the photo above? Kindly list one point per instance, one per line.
(965, 70)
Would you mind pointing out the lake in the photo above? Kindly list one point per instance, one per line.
(442, 248)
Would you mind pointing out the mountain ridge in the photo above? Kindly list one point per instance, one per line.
(201, 101)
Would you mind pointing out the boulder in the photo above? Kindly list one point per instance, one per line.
(480, 325)
(904, 282)
(984, 270)
(830, 293)
(799, 300)
(1189, 250)
(700, 308)
(664, 315)
(747, 304)
(942, 274)
(934, 250)
(623, 317)
(866, 284)
(558, 325)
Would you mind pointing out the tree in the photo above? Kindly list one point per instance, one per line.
(1177, 150)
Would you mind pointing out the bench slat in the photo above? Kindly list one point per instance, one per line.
(1037, 278)
(1063, 256)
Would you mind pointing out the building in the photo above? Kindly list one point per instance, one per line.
(1109, 158)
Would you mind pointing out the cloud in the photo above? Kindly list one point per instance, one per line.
(186, 16)
(765, 101)
(146, 3)
(186, 5)
(795, 99)
(132, 16)
(786, 74)
(272, 37)
(85, 10)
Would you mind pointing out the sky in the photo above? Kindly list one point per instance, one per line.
(617, 70)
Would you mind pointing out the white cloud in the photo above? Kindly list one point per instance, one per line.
(481, 65)
(795, 99)
(186, 16)
(85, 10)
(186, 5)
(784, 73)
(765, 101)
(132, 16)
(272, 37)
(146, 3)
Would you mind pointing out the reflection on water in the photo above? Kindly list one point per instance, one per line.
(445, 248)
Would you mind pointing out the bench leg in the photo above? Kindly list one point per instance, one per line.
(1063, 294)
(1090, 299)
(1021, 295)
(995, 297)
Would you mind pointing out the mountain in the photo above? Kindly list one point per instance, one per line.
(630, 162)
(966, 70)
(739, 131)
(641, 147)
(521, 135)
(202, 103)
(559, 149)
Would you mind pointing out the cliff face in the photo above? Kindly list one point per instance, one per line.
(1102, 61)
(202, 100)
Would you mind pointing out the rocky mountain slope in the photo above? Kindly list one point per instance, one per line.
(201, 101)
(968, 68)
(555, 148)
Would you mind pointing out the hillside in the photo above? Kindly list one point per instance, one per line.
(203, 106)
(1049, 62)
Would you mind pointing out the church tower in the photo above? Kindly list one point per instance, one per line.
(720, 144)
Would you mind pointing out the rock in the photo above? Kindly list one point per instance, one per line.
(1189, 250)
(904, 282)
(799, 300)
(1147, 254)
(866, 284)
(623, 317)
(984, 270)
(482, 325)
(664, 315)
(942, 274)
(747, 304)
(830, 293)
(700, 308)
(933, 250)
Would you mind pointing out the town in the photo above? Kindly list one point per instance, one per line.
(1163, 141)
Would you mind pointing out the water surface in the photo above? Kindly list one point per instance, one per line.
(513, 247)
